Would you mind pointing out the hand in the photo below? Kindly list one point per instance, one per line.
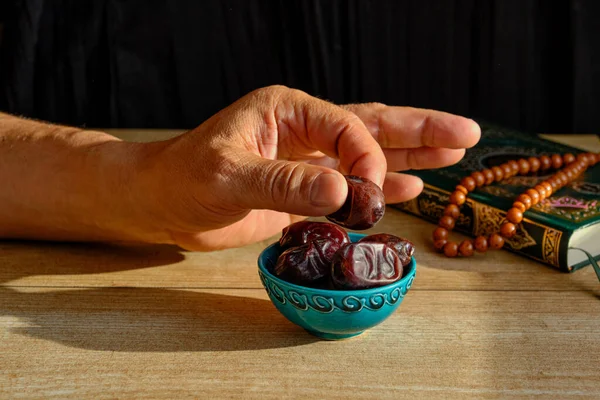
(277, 155)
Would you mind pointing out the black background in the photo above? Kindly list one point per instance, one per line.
(526, 64)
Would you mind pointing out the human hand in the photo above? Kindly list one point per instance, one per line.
(278, 155)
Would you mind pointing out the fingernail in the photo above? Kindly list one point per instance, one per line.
(323, 190)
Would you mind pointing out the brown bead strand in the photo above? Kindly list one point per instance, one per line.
(568, 168)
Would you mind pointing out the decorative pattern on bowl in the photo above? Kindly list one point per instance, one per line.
(326, 304)
(332, 314)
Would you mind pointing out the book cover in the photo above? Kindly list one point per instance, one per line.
(562, 231)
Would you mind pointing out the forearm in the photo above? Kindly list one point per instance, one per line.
(62, 183)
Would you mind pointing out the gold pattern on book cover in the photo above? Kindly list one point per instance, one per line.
(551, 245)
(411, 206)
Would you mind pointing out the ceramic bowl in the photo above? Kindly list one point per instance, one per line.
(332, 314)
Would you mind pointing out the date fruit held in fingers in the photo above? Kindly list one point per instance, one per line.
(364, 206)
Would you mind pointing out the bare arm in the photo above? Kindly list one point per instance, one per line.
(273, 156)
(63, 183)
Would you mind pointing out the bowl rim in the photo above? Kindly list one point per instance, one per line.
(412, 269)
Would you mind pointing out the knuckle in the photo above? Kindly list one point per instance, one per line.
(427, 129)
(270, 91)
(268, 97)
(348, 124)
(375, 104)
(411, 160)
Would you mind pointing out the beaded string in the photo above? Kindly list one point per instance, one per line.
(568, 169)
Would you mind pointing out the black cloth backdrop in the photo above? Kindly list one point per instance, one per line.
(527, 64)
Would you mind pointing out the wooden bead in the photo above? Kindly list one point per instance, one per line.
(481, 244)
(479, 178)
(525, 199)
(469, 183)
(452, 210)
(570, 172)
(554, 183)
(597, 158)
(447, 222)
(498, 173)
(488, 175)
(534, 164)
(508, 230)
(548, 188)
(507, 170)
(451, 249)
(523, 166)
(519, 206)
(440, 233)
(458, 198)
(535, 196)
(466, 248)
(545, 163)
(514, 166)
(573, 175)
(439, 244)
(583, 158)
(495, 241)
(514, 215)
(564, 179)
(463, 189)
(556, 161)
(542, 191)
(568, 158)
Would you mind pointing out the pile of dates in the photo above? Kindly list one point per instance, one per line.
(321, 255)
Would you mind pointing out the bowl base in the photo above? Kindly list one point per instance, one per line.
(333, 336)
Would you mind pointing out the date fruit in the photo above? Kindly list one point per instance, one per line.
(403, 247)
(364, 205)
(308, 264)
(364, 265)
(302, 232)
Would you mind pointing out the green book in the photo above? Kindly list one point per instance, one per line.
(562, 231)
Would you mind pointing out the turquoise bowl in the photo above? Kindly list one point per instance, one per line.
(332, 314)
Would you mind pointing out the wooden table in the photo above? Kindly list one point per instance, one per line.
(100, 321)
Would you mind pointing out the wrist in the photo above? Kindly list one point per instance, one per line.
(128, 186)
(62, 183)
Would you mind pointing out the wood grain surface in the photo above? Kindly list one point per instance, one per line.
(105, 321)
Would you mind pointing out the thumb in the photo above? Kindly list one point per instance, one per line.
(287, 186)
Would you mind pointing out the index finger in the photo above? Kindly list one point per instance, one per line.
(407, 127)
(334, 131)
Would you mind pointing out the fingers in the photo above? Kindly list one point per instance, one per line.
(332, 130)
(291, 187)
(422, 158)
(401, 187)
(407, 127)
